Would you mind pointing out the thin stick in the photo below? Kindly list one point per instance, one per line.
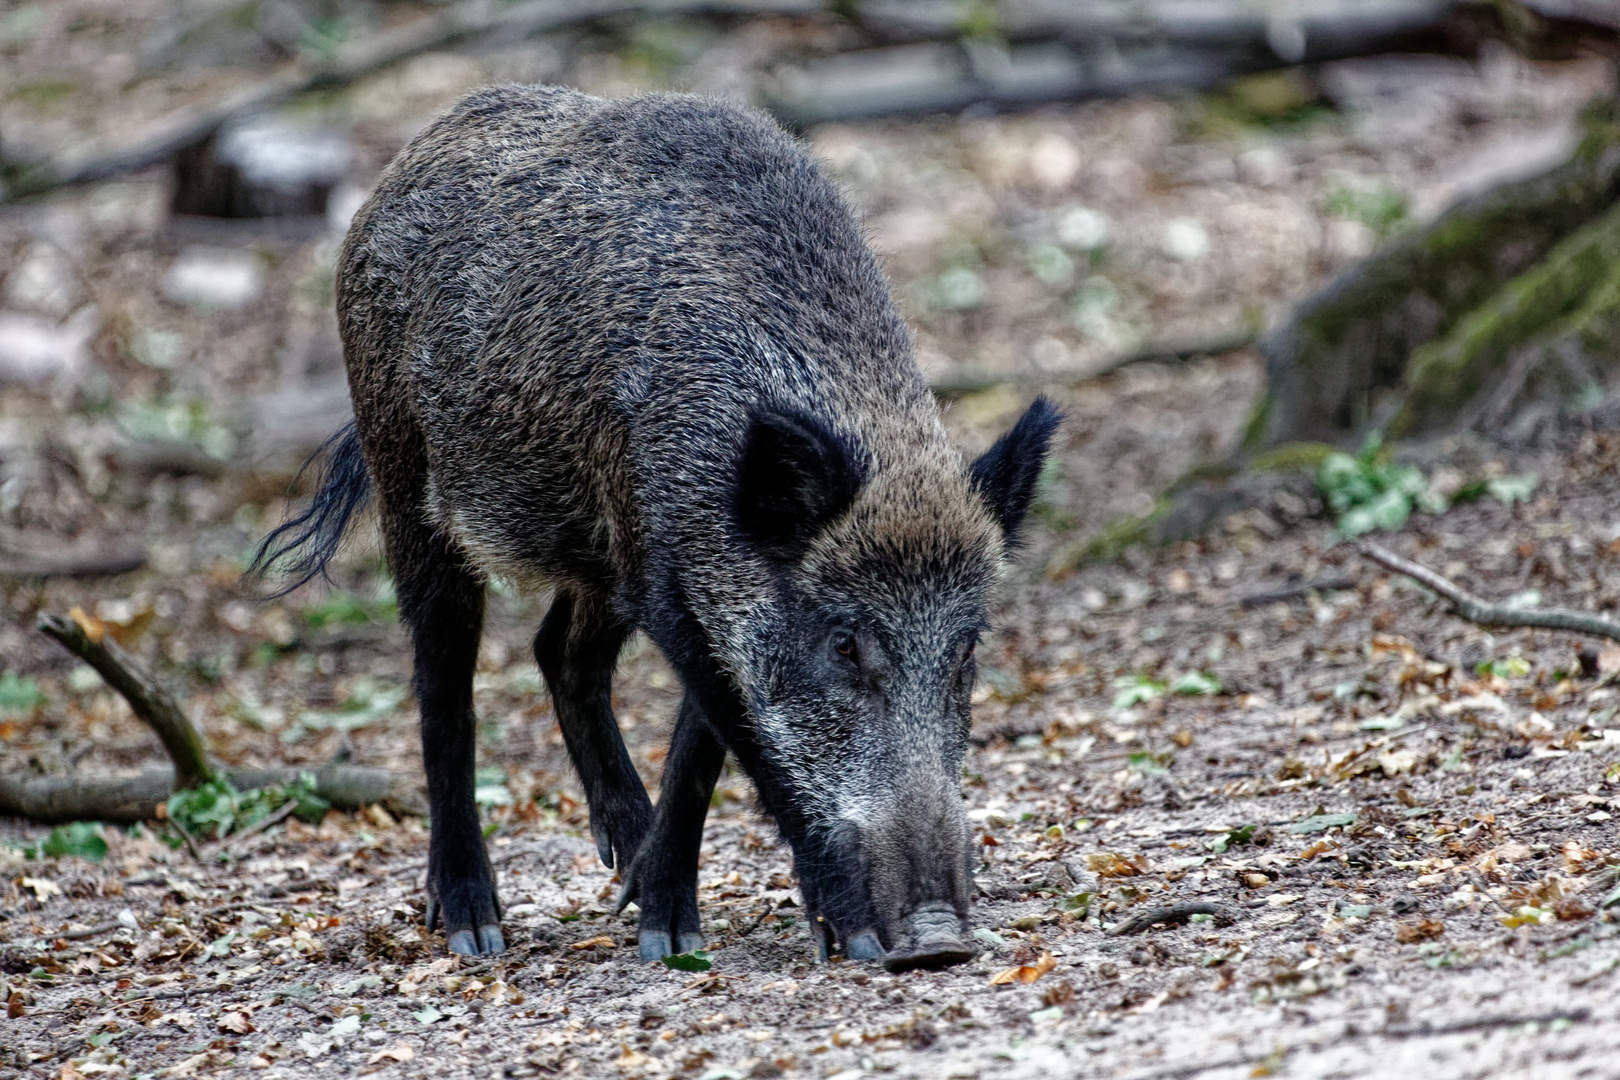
(191, 845)
(1466, 605)
(1176, 913)
(231, 842)
(86, 638)
(80, 935)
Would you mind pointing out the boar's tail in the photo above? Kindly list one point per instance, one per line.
(309, 540)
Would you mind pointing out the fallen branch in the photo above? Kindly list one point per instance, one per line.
(234, 840)
(87, 639)
(1175, 913)
(188, 127)
(136, 797)
(1466, 605)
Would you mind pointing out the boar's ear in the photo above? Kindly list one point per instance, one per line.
(1005, 475)
(794, 477)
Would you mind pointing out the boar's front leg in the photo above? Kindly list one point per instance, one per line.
(663, 878)
(576, 648)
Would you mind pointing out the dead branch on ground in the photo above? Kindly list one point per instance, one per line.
(87, 639)
(136, 797)
(1466, 605)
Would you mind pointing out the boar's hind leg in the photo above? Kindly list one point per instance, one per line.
(663, 878)
(443, 604)
(576, 648)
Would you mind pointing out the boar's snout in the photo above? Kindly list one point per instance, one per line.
(932, 936)
(920, 881)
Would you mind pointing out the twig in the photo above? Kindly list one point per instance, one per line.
(1175, 913)
(1481, 1023)
(373, 52)
(80, 935)
(86, 638)
(1468, 606)
(191, 845)
(230, 843)
(1295, 589)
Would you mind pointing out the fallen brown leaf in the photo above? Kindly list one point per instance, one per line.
(1419, 930)
(235, 1022)
(1025, 973)
(398, 1052)
(600, 941)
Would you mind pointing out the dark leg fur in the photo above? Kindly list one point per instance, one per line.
(443, 604)
(576, 649)
(663, 878)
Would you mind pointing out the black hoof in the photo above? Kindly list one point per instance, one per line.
(463, 943)
(490, 940)
(690, 942)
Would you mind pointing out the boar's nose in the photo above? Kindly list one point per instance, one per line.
(932, 936)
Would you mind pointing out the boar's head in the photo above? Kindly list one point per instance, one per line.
(882, 562)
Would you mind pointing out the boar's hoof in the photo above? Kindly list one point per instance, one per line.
(655, 944)
(488, 942)
(932, 939)
(864, 946)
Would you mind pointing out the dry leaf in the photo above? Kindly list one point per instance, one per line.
(235, 1022)
(1025, 973)
(1113, 864)
(631, 1059)
(398, 1052)
(600, 941)
(44, 888)
(1419, 930)
(93, 628)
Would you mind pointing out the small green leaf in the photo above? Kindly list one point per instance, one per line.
(1321, 822)
(1511, 489)
(1354, 911)
(19, 694)
(990, 937)
(1147, 764)
(1077, 904)
(1132, 690)
(79, 838)
(1240, 835)
(427, 1015)
(1196, 684)
(1383, 723)
(689, 961)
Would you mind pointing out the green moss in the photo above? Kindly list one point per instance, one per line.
(1350, 344)
(1116, 536)
(1446, 374)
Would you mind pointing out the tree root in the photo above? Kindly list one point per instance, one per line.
(1468, 606)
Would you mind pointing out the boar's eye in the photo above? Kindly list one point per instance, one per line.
(843, 643)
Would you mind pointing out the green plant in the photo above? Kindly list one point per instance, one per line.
(216, 809)
(1381, 209)
(1132, 690)
(19, 694)
(347, 608)
(1368, 492)
(79, 838)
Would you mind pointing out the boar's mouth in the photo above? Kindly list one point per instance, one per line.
(930, 937)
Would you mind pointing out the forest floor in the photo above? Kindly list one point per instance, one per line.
(1407, 827)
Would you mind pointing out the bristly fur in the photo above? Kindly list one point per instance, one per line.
(312, 538)
(638, 352)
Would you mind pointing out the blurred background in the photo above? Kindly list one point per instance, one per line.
(1215, 230)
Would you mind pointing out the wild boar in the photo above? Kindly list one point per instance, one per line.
(637, 353)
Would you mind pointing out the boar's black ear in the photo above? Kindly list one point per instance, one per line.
(794, 477)
(1005, 475)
